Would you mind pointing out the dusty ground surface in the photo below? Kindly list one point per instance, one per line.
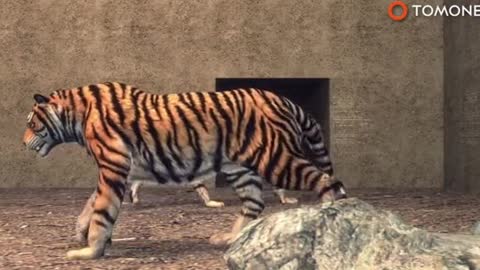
(171, 227)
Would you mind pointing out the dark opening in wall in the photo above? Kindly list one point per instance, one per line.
(312, 94)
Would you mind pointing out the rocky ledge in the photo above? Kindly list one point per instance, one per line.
(348, 234)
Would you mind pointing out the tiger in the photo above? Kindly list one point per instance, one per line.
(249, 135)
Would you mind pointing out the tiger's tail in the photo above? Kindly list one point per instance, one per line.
(313, 141)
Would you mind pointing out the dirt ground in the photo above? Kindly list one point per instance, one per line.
(170, 229)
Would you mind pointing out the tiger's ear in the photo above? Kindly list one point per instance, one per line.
(41, 99)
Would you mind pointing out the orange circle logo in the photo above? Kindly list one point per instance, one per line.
(397, 17)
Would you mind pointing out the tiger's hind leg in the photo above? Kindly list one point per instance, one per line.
(248, 186)
(202, 191)
(284, 199)
(134, 192)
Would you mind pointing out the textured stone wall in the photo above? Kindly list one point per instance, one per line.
(462, 102)
(386, 77)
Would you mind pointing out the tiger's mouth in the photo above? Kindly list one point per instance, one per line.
(38, 145)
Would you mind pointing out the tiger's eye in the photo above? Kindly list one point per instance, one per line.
(31, 124)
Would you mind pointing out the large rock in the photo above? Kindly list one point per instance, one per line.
(349, 234)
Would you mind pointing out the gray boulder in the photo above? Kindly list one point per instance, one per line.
(349, 234)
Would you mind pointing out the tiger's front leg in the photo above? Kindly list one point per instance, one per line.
(113, 173)
(83, 220)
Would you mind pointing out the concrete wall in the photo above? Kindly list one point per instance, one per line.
(386, 77)
(462, 102)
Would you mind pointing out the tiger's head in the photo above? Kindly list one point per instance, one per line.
(44, 126)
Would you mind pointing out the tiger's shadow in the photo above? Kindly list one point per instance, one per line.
(168, 250)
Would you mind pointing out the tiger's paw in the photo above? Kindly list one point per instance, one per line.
(87, 253)
(214, 204)
(289, 200)
(219, 239)
(136, 201)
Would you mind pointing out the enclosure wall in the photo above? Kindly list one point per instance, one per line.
(386, 77)
(462, 102)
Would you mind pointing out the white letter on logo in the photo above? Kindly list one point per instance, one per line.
(416, 9)
(476, 10)
(440, 11)
(451, 10)
(425, 13)
(467, 10)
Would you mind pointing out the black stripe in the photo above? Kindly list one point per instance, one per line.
(308, 174)
(154, 102)
(74, 114)
(232, 177)
(289, 173)
(105, 144)
(124, 89)
(315, 181)
(254, 160)
(260, 204)
(63, 95)
(63, 118)
(111, 162)
(334, 186)
(198, 186)
(228, 101)
(82, 96)
(249, 133)
(117, 186)
(298, 175)
(281, 177)
(113, 170)
(273, 161)
(148, 156)
(193, 139)
(224, 115)
(114, 126)
(171, 119)
(249, 92)
(98, 104)
(100, 223)
(239, 113)
(48, 124)
(105, 214)
(135, 123)
(249, 182)
(249, 215)
(159, 148)
(117, 107)
(201, 98)
(85, 118)
(217, 161)
(192, 108)
(173, 153)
